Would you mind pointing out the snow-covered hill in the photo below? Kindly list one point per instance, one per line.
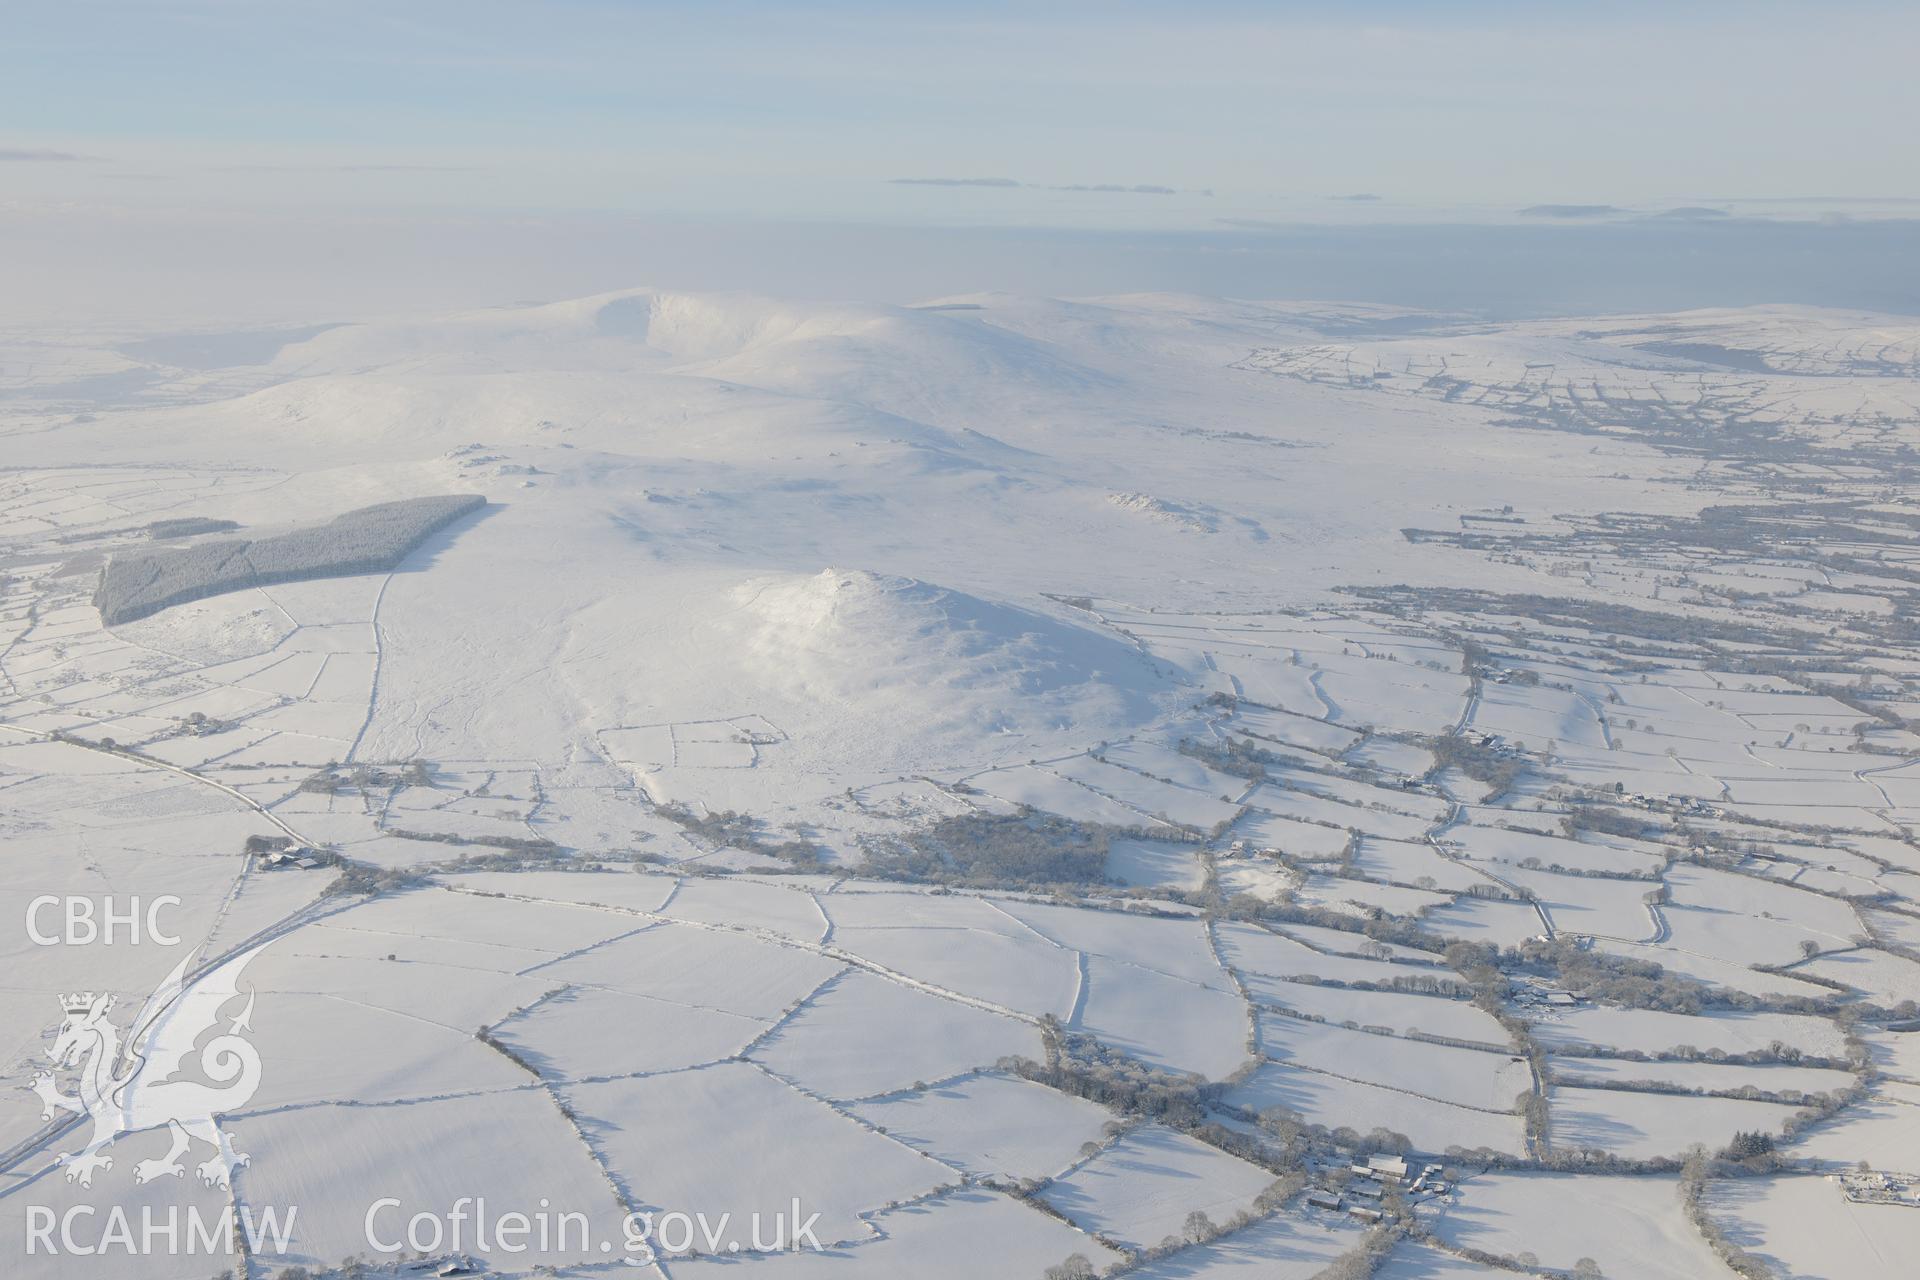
(1013, 773)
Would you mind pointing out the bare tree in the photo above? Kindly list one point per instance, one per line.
(1075, 1267)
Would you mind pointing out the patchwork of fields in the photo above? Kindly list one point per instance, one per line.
(1549, 819)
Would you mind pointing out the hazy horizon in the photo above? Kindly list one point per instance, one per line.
(159, 272)
(451, 155)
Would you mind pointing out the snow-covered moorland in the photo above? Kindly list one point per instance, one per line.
(1020, 778)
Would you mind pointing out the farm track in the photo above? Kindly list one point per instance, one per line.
(11, 1156)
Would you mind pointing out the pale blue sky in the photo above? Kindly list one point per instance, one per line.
(301, 159)
(806, 109)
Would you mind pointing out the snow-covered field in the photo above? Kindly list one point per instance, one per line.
(1015, 777)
